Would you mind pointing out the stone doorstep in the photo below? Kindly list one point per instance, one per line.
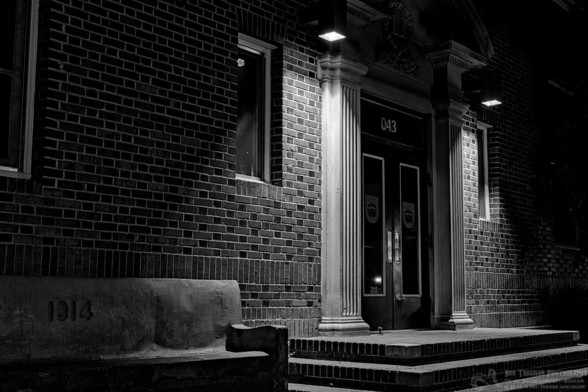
(427, 351)
(424, 377)
(568, 380)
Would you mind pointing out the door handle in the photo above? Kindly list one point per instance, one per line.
(396, 247)
(389, 257)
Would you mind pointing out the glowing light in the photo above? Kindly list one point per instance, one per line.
(492, 102)
(332, 36)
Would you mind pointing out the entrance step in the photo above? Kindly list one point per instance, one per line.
(437, 360)
(292, 387)
(427, 346)
(570, 380)
(445, 376)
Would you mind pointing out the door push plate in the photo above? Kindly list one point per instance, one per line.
(390, 249)
(396, 247)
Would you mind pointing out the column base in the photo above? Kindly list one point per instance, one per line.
(343, 326)
(457, 321)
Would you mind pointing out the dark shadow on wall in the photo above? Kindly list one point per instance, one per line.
(565, 309)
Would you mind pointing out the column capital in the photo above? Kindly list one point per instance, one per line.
(451, 110)
(340, 67)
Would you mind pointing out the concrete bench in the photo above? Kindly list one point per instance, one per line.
(76, 334)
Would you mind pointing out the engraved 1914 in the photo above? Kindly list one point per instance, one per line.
(62, 310)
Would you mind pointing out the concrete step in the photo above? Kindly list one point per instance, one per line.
(293, 387)
(569, 380)
(444, 376)
(419, 347)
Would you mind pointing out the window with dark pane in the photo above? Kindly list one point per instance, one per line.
(410, 215)
(483, 190)
(557, 123)
(13, 37)
(373, 226)
(250, 114)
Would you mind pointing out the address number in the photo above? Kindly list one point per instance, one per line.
(388, 125)
(61, 311)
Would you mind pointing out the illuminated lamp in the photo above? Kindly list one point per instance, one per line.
(488, 85)
(332, 19)
(491, 92)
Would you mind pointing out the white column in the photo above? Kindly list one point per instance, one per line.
(341, 205)
(449, 61)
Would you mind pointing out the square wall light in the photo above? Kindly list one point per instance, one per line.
(332, 19)
(491, 91)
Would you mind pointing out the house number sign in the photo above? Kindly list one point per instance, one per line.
(386, 122)
(388, 125)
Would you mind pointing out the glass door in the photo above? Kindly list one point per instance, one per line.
(394, 295)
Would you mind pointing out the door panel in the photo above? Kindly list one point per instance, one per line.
(376, 275)
(408, 264)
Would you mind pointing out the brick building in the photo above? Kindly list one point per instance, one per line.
(346, 186)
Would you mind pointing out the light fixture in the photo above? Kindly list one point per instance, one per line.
(329, 17)
(487, 84)
(332, 19)
(491, 92)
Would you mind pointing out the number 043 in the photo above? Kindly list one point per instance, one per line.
(388, 125)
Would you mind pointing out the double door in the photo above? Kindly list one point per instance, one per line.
(394, 269)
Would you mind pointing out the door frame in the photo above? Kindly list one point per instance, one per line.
(394, 158)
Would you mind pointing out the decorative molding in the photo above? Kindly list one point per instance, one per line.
(338, 67)
(470, 16)
(397, 31)
(452, 52)
(259, 27)
(362, 14)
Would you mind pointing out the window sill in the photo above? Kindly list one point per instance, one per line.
(255, 187)
(12, 172)
(567, 247)
(242, 177)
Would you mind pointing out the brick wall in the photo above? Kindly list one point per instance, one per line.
(134, 154)
(512, 260)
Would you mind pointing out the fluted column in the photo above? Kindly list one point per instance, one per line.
(449, 61)
(341, 205)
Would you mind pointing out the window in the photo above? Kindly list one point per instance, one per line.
(560, 131)
(566, 230)
(483, 188)
(253, 114)
(18, 45)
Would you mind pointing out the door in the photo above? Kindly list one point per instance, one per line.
(395, 290)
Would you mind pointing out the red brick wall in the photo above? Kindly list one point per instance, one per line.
(135, 154)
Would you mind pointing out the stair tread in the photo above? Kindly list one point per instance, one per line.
(426, 368)
(565, 378)
(407, 347)
(321, 388)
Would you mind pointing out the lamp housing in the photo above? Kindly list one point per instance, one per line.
(491, 91)
(332, 19)
(488, 84)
